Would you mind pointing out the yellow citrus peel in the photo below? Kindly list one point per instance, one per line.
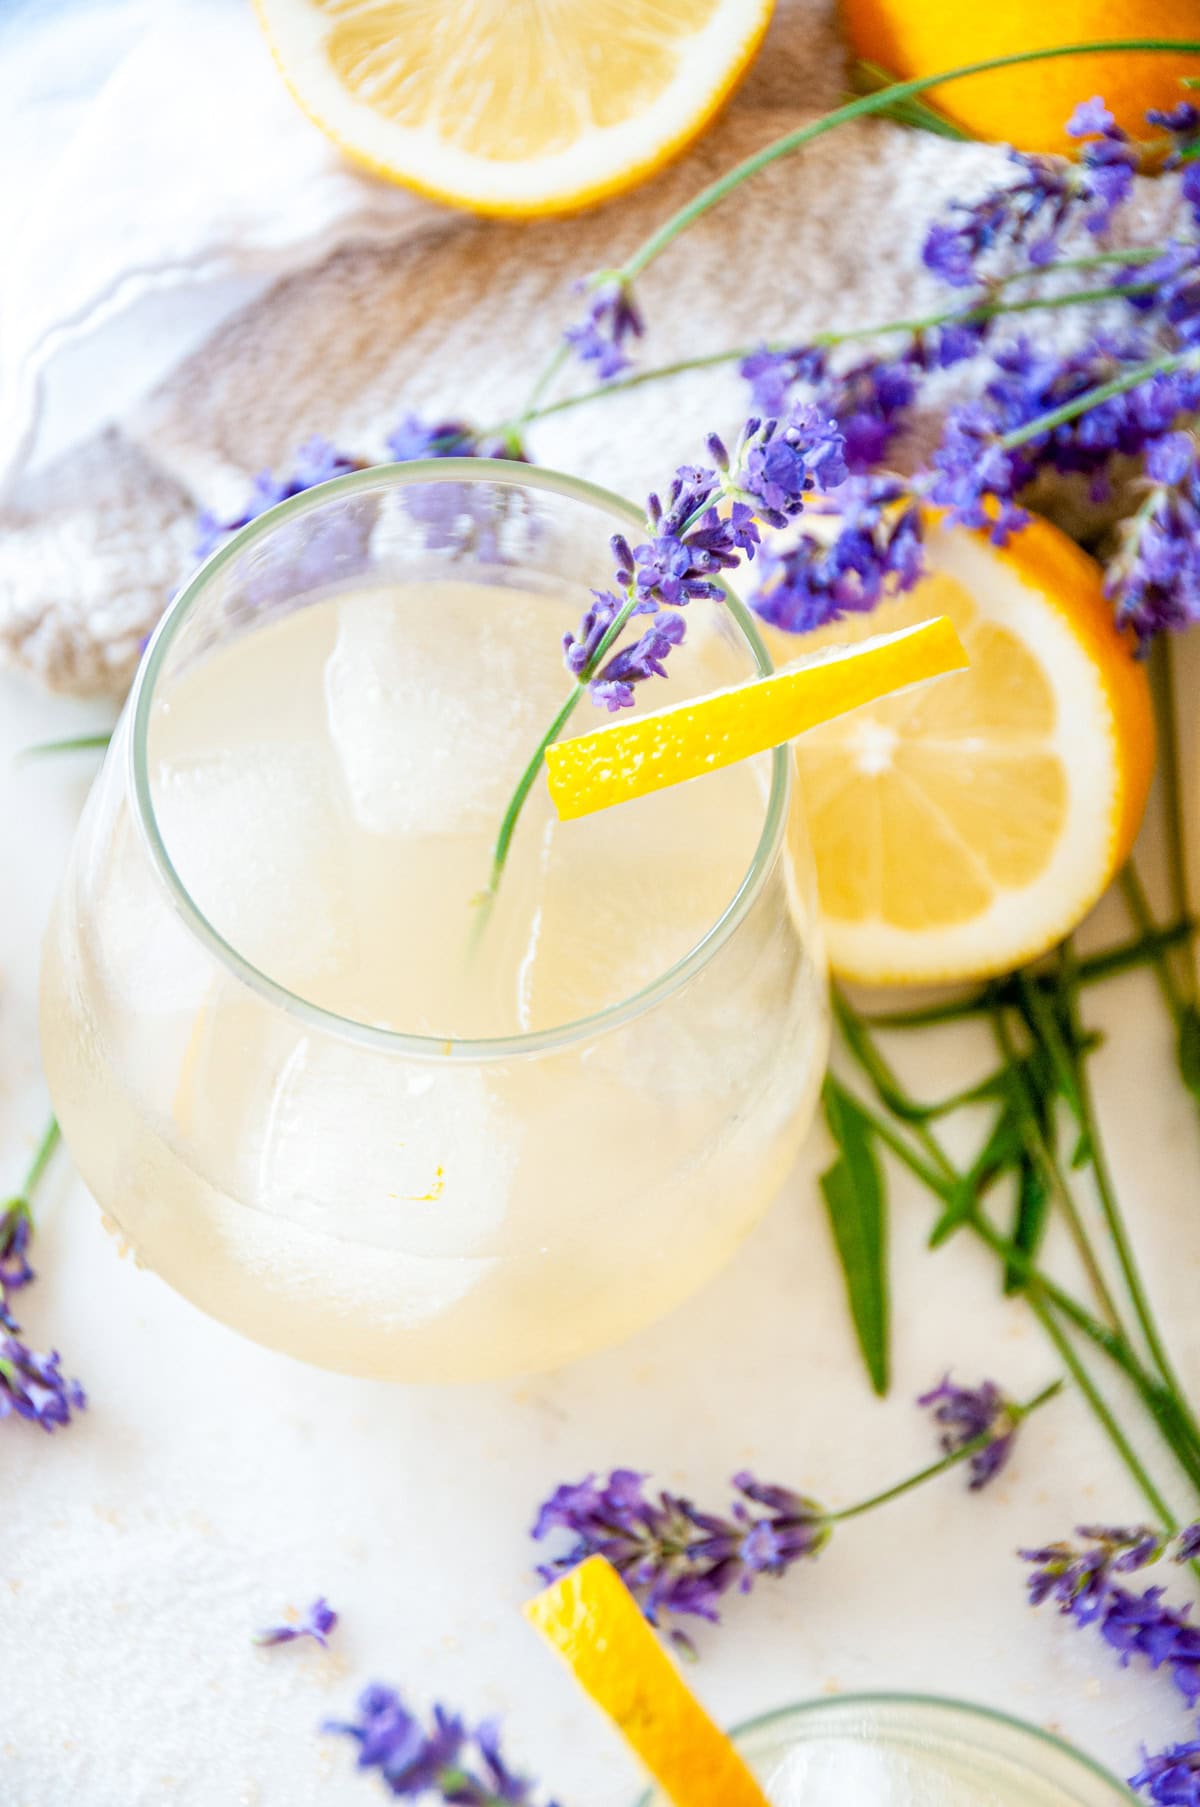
(597, 1627)
(646, 753)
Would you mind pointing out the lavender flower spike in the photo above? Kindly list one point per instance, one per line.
(967, 1413)
(674, 1558)
(16, 1228)
(441, 1761)
(1144, 1625)
(33, 1386)
(612, 318)
(316, 1623)
(1172, 1777)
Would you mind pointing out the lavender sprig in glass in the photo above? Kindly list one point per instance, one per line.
(704, 528)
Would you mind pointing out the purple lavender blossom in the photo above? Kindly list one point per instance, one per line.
(317, 1621)
(779, 463)
(772, 375)
(631, 665)
(876, 550)
(674, 1558)
(33, 1386)
(439, 1761)
(1171, 1777)
(1154, 580)
(1077, 1579)
(415, 438)
(1144, 1624)
(612, 318)
(1030, 213)
(16, 1229)
(1182, 125)
(580, 648)
(866, 404)
(968, 1413)
(315, 462)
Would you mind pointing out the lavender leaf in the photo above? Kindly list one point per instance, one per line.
(857, 1207)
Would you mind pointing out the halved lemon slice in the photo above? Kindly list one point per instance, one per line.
(963, 830)
(513, 106)
(592, 1620)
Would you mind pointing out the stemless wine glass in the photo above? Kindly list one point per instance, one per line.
(315, 1084)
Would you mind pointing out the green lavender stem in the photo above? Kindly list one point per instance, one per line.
(1175, 1423)
(1139, 908)
(42, 1157)
(1109, 1204)
(1044, 1157)
(1102, 1412)
(1018, 1414)
(971, 316)
(863, 107)
(1103, 392)
(1122, 957)
(1164, 675)
(77, 743)
(528, 776)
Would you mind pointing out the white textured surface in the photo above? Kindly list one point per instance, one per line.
(213, 1484)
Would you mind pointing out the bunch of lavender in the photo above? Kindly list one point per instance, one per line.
(1128, 394)
(442, 1760)
(32, 1386)
(679, 1561)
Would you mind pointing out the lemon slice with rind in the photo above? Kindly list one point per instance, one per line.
(647, 753)
(512, 106)
(597, 1627)
(962, 831)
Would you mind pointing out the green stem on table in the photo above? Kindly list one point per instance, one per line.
(878, 1069)
(1172, 1426)
(1165, 1402)
(1122, 957)
(1016, 1412)
(21, 1203)
(1164, 674)
(1109, 1204)
(1139, 909)
(1102, 1412)
(77, 743)
(43, 1154)
(1040, 1152)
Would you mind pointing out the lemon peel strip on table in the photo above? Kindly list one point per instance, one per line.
(631, 758)
(594, 1623)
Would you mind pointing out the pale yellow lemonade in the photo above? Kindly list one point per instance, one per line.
(327, 787)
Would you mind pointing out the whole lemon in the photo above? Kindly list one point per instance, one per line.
(1029, 105)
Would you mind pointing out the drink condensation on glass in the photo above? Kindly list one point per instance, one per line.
(305, 1082)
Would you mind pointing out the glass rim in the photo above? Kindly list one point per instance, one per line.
(505, 472)
(953, 1708)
